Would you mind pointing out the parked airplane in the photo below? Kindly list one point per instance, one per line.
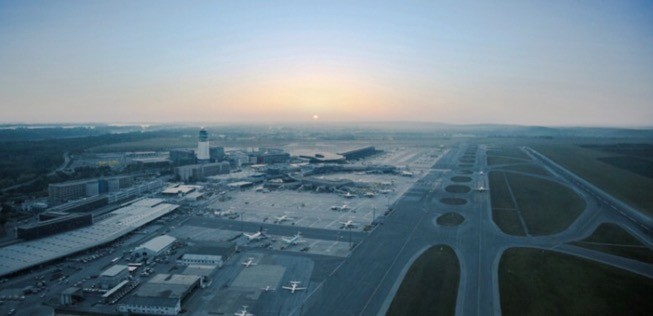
(342, 208)
(348, 195)
(281, 219)
(256, 236)
(294, 239)
(348, 224)
(224, 213)
(249, 262)
(406, 174)
(244, 312)
(293, 287)
(369, 194)
(267, 288)
(481, 189)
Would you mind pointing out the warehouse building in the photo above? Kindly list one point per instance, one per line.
(213, 254)
(162, 295)
(155, 246)
(113, 276)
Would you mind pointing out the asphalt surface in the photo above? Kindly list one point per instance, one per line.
(278, 230)
(367, 281)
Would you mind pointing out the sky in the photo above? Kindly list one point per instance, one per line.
(554, 63)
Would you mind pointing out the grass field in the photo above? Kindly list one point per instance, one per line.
(457, 189)
(430, 286)
(527, 168)
(508, 152)
(499, 193)
(612, 239)
(453, 201)
(643, 167)
(461, 179)
(450, 219)
(508, 221)
(546, 207)
(541, 282)
(630, 187)
(500, 160)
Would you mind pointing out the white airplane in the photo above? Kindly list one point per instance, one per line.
(481, 173)
(369, 194)
(224, 213)
(348, 224)
(482, 189)
(348, 195)
(294, 239)
(281, 219)
(293, 287)
(255, 236)
(267, 288)
(244, 312)
(249, 262)
(385, 191)
(342, 208)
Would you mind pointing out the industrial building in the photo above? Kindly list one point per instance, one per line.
(54, 226)
(161, 295)
(155, 246)
(214, 255)
(113, 276)
(201, 171)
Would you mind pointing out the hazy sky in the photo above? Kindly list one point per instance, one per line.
(523, 62)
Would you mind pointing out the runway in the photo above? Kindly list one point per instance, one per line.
(367, 281)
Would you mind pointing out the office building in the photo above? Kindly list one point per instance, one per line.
(201, 171)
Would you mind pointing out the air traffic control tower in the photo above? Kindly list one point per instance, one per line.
(202, 153)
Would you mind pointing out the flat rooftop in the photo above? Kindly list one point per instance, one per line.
(124, 220)
(183, 189)
(158, 243)
(167, 286)
(114, 270)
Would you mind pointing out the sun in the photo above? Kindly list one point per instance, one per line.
(315, 117)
